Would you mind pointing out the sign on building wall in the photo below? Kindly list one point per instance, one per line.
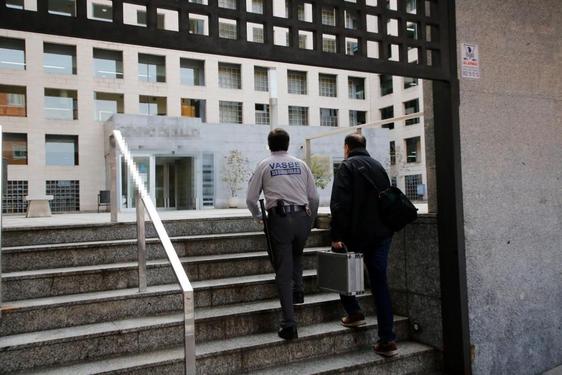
(470, 64)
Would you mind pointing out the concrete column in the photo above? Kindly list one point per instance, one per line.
(429, 137)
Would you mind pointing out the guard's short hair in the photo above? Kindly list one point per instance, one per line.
(355, 140)
(278, 140)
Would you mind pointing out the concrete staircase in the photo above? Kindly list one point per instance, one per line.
(72, 307)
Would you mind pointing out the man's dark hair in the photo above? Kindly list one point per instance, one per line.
(355, 140)
(278, 140)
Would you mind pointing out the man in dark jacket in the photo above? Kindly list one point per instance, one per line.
(356, 224)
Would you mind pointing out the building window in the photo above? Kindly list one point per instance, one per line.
(228, 4)
(412, 106)
(107, 104)
(193, 108)
(108, 64)
(411, 6)
(230, 76)
(298, 115)
(152, 105)
(329, 43)
(100, 10)
(208, 167)
(255, 33)
(59, 58)
(66, 195)
(386, 113)
(203, 2)
(228, 29)
(304, 12)
(61, 150)
(394, 181)
(152, 68)
(392, 153)
(328, 117)
(351, 20)
(328, 85)
(167, 19)
(357, 118)
(351, 46)
(305, 40)
(410, 82)
(198, 24)
(385, 81)
(15, 4)
(329, 16)
(61, 104)
(62, 7)
(412, 150)
(13, 101)
(12, 53)
(230, 112)
(261, 80)
(14, 202)
(356, 87)
(192, 72)
(255, 6)
(14, 148)
(134, 14)
(281, 36)
(296, 82)
(262, 114)
(414, 187)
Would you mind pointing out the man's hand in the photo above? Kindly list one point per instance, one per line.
(337, 245)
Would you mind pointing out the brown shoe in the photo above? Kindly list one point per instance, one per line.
(386, 349)
(353, 320)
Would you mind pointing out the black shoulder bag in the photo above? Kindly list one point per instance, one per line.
(396, 210)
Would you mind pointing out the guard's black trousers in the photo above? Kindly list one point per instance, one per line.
(288, 237)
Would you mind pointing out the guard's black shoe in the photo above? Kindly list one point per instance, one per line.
(288, 333)
(298, 298)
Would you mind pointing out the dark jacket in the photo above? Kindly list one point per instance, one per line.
(354, 203)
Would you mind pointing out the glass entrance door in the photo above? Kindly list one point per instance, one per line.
(175, 182)
(128, 191)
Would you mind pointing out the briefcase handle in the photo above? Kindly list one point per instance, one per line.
(334, 250)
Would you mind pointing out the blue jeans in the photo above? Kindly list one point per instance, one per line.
(376, 261)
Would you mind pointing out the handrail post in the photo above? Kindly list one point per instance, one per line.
(307, 157)
(141, 241)
(189, 332)
(114, 204)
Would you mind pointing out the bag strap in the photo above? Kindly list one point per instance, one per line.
(363, 172)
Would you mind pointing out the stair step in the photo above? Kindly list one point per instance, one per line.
(49, 234)
(240, 354)
(74, 254)
(413, 358)
(70, 280)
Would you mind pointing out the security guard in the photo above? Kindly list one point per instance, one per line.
(292, 203)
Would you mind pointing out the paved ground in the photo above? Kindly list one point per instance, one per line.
(11, 221)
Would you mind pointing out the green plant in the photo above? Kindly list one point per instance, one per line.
(321, 169)
(235, 171)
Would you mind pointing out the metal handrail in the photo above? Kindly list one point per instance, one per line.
(1, 209)
(143, 201)
(351, 129)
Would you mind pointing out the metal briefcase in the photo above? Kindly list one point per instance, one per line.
(341, 272)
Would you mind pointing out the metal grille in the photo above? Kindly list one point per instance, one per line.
(413, 187)
(296, 82)
(260, 79)
(298, 115)
(66, 195)
(356, 86)
(13, 202)
(328, 85)
(328, 117)
(262, 114)
(208, 180)
(230, 76)
(230, 112)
